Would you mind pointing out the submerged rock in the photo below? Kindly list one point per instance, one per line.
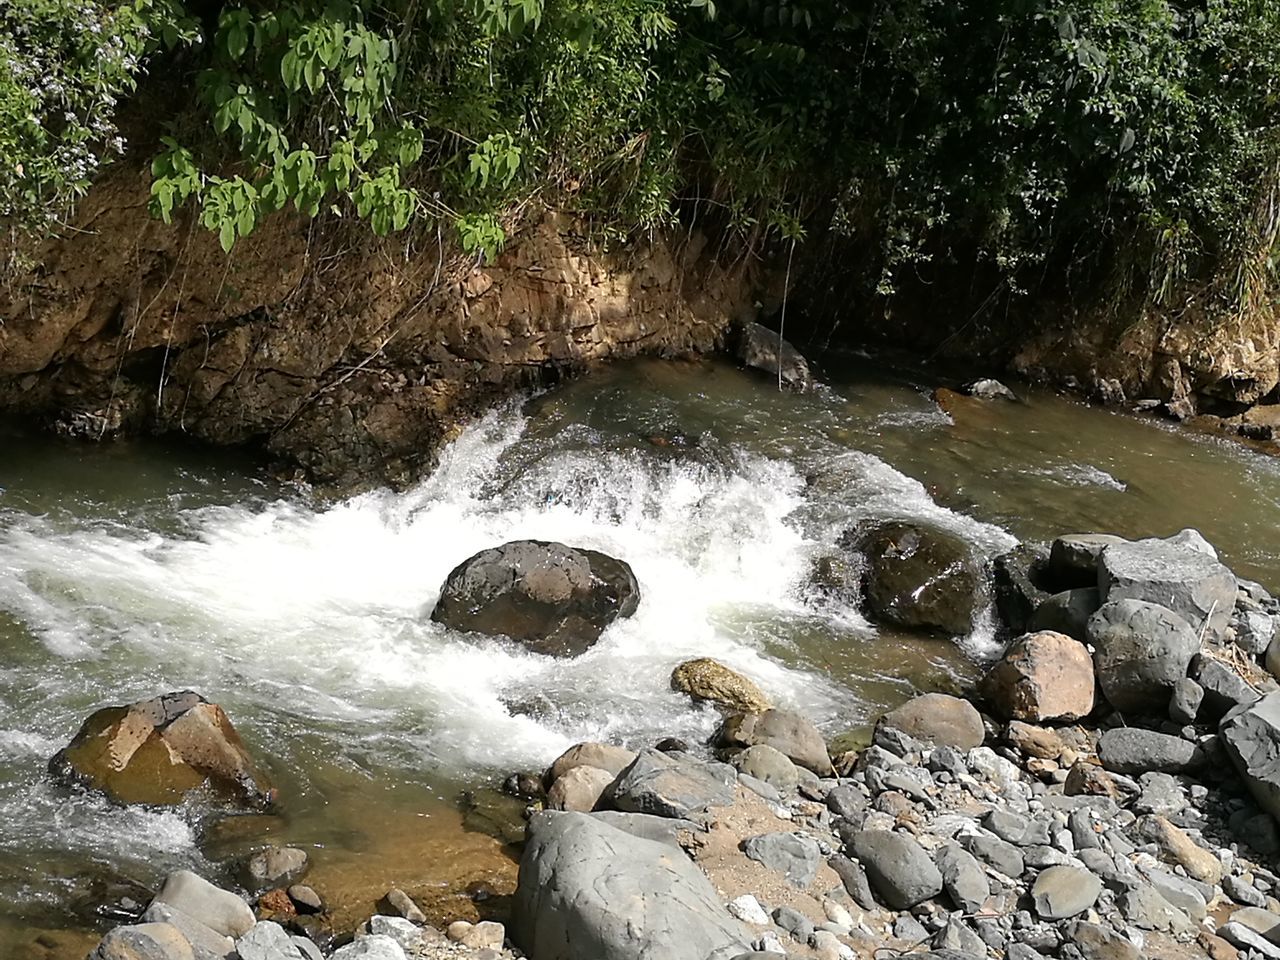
(918, 577)
(759, 348)
(160, 750)
(710, 680)
(1042, 676)
(551, 598)
(589, 890)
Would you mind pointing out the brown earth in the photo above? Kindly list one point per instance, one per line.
(349, 357)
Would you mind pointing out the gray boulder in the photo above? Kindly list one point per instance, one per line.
(588, 890)
(1184, 705)
(1178, 574)
(551, 598)
(770, 765)
(962, 877)
(758, 348)
(1073, 559)
(268, 941)
(206, 944)
(1067, 612)
(1131, 750)
(1141, 651)
(791, 854)
(1064, 891)
(938, 719)
(901, 873)
(672, 785)
(1001, 856)
(1224, 688)
(1251, 735)
(791, 734)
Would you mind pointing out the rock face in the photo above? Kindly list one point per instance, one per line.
(159, 750)
(553, 599)
(792, 735)
(1141, 651)
(588, 890)
(759, 348)
(710, 680)
(918, 577)
(1042, 676)
(1177, 574)
(1251, 735)
(938, 719)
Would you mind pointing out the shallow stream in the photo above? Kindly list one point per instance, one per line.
(131, 569)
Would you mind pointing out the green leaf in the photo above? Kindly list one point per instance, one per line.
(227, 235)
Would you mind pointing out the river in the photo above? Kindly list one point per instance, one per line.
(135, 568)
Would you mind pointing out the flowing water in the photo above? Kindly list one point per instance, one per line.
(132, 569)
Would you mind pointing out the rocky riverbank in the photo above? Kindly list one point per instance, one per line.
(1108, 791)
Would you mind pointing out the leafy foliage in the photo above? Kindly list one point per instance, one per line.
(1112, 142)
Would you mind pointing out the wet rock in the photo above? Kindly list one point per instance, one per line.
(1131, 750)
(144, 941)
(709, 680)
(267, 941)
(937, 718)
(1067, 612)
(765, 763)
(759, 348)
(1224, 689)
(397, 903)
(273, 866)
(1141, 650)
(551, 598)
(1063, 892)
(962, 877)
(1184, 704)
(901, 873)
(217, 909)
(1177, 574)
(524, 786)
(795, 856)
(602, 756)
(1042, 676)
(988, 389)
(1251, 736)
(918, 577)
(275, 905)
(157, 751)
(1018, 584)
(306, 900)
(668, 785)
(586, 890)
(579, 789)
(788, 732)
(1073, 559)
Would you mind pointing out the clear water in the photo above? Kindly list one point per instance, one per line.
(129, 570)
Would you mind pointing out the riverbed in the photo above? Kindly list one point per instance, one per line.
(139, 567)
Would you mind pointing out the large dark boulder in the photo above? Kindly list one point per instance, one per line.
(1180, 573)
(587, 889)
(918, 577)
(1141, 651)
(553, 599)
(1067, 612)
(759, 348)
(159, 750)
(1019, 584)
